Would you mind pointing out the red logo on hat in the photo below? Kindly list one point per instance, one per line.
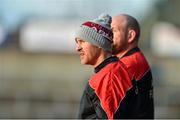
(100, 29)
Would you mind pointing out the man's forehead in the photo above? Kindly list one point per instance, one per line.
(120, 19)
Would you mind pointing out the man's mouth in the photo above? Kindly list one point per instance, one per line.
(81, 55)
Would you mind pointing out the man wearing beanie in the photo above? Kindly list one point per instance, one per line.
(107, 87)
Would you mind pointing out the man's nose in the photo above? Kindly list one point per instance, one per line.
(78, 47)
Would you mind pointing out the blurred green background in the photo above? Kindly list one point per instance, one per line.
(40, 72)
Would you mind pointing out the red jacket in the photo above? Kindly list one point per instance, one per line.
(114, 92)
(140, 97)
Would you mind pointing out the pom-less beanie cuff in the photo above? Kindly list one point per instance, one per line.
(97, 32)
(94, 38)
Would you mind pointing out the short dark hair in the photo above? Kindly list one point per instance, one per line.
(132, 23)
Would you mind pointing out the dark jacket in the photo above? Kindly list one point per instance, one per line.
(138, 102)
(115, 91)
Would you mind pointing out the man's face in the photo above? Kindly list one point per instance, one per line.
(88, 52)
(120, 41)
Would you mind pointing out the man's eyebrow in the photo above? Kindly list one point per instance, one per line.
(80, 40)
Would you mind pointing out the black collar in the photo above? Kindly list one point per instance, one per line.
(130, 52)
(105, 62)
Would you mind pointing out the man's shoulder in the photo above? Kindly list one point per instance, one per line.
(134, 59)
(113, 66)
(136, 64)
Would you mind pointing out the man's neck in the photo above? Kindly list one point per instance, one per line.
(105, 62)
(102, 58)
(120, 54)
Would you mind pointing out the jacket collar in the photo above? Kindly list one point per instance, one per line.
(132, 51)
(105, 62)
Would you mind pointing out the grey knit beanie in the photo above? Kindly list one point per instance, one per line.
(98, 32)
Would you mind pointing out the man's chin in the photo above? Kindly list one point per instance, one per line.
(114, 52)
(83, 62)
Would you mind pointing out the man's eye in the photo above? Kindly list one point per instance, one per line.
(114, 30)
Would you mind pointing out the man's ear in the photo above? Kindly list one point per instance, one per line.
(131, 36)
